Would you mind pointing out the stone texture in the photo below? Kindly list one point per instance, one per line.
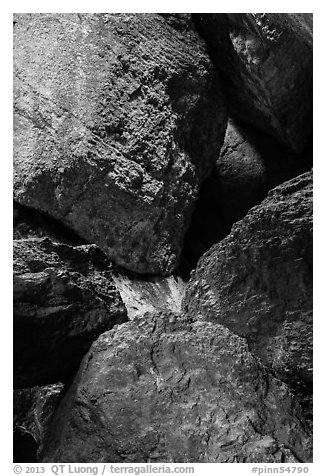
(33, 410)
(267, 62)
(118, 118)
(64, 298)
(150, 293)
(258, 282)
(163, 388)
(250, 164)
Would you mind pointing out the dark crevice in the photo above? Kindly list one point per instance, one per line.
(24, 446)
(30, 223)
(226, 196)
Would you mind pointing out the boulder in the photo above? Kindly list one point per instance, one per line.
(33, 410)
(258, 282)
(266, 60)
(249, 165)
(168, 388)
(64, 298)
(118, 118)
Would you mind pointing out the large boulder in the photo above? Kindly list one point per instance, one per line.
(167, 388)
(118, 118)
(249, 165)
(267, 62)
(33, 410)
(258, 282)
(64, 298)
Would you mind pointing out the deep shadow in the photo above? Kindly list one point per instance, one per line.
(227, 195)
(30, 223)
(24, 447)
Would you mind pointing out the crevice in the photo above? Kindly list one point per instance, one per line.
(241, 179)
(31, 223)
(24, 446)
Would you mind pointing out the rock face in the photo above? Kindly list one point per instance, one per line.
(250, 164)
(267, 62)
(152, 294)
(118, 118)
(64, 298)
(258, 282)
(165, 389)
(33, 410)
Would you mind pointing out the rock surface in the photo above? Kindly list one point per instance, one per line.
(250, 164)
(33, 410)
(118, 118)
(149, 294)
(258, 282)
(165, 389)
(267, 62)
(64, 298)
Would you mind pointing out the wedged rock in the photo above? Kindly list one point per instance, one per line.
(258, 282)
(33, 410)
(149, 294)
(118, 118)
(64, 298)
(249, 165)
(165, 388)
(267, 62)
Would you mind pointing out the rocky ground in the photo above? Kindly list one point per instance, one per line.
(163, 238)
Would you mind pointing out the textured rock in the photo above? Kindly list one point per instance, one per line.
(267, 62)
(33, 410)
(164, 389)
(258, 282)
(250, 164)
(149, 294)
(118, 117)
(64, 298)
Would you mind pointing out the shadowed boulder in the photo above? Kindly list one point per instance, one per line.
(64, 298)
(266, 59)
(162, 388)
